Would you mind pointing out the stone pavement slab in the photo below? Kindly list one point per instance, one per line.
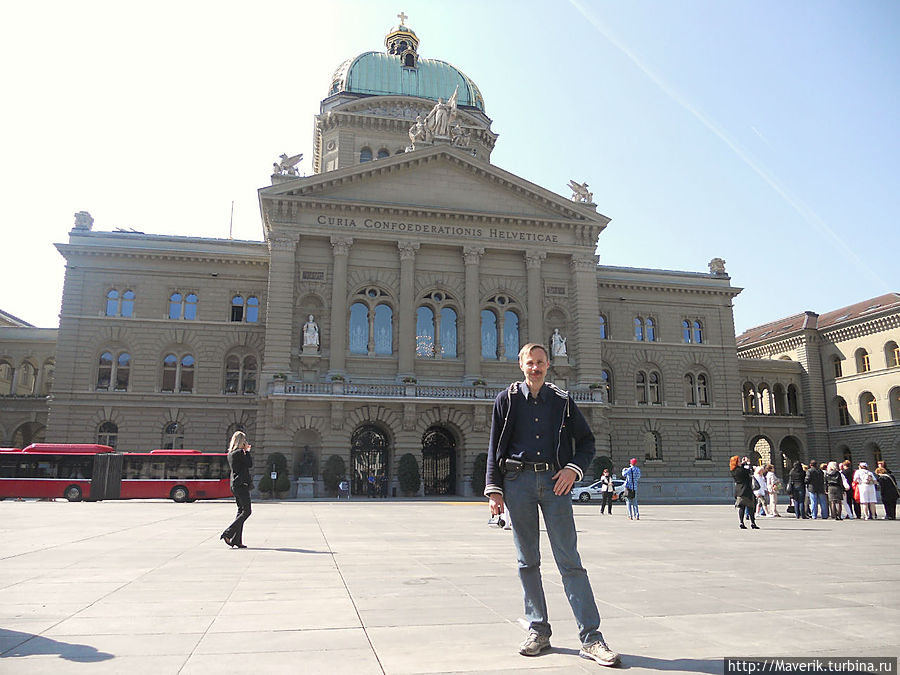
(424, 586)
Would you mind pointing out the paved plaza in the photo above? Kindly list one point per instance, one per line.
(424, 587)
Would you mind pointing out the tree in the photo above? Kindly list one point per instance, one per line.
(479, 467)
(408, 474)
(334, 472)
(601, 462)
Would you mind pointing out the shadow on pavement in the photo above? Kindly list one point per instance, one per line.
(288, 550)
(28, 644)
(683, 665)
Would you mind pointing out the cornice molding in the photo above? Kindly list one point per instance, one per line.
(729, 291)
(193, 256)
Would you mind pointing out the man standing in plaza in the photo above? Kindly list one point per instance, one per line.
(540, 445)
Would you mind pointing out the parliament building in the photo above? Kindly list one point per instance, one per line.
(386, 306)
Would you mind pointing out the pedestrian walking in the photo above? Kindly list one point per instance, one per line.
(540, 445)
(241, 462)
(744, 499)
(773, 485)
(632, 475)
(760, 490)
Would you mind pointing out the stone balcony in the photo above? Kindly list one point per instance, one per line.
(401, 391)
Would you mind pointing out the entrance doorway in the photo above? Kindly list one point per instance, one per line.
(369, 461)
(439, 462)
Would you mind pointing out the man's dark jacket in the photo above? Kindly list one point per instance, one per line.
(575, 441)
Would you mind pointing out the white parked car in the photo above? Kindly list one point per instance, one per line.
(585, 493)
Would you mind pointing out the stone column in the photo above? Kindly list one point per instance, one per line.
(406, 324)
(814, 408)
(338, 349)
(585, 323)
(472, 257)
(280, 303)
(535, 324)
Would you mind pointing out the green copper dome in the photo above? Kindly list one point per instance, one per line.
(405, 74)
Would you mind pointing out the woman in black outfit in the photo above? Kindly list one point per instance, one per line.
(744, 499)
(606, 492)
(240, 461)
(797, 478)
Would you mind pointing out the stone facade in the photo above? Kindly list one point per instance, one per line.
(425, 270)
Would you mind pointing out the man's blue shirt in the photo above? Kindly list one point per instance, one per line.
(534, 429)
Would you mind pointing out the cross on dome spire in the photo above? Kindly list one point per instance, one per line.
(403, 17)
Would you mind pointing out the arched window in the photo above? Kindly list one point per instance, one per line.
(868, 407)
(650, 330)
(500, 329)
(703, 446)
(425, 333)
(792, 400)
(837, 369)
(702, 389)
(383, 153)
(241, 374)
(173, 436)
(606, 381)
(511, 335)
(894, 399)
(690, 393)
(252, 310)
(843, 412)
(488, 334)
(365, 155)
(6, 378)
(190, 306)
(892, 355)
(113, 371)
(108, 434)
(175, 303)
(127, 304)
(779, 400)
(863, 364)
(654, 383)
(638, 329)
(183, 306)
(178, 374)
(604, 328)
(652, 446)
(48, 374)
(685, 331)
(384, 330)
(112, 303)
(372, 323)
(359, 328)
(751, 405)
(237, 308)
(448, 333)
(698, 332)
(640, 384)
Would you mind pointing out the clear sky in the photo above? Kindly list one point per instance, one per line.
(764, 132)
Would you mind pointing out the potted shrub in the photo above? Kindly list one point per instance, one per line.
(410, 382)
(408, 474)
(337, 383)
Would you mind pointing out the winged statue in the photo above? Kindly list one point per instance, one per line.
(288, 165)
(580, 192)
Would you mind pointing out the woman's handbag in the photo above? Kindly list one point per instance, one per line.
(629, 493)
(855, 487)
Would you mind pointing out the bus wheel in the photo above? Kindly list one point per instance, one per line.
(179, 494)
(72, 493)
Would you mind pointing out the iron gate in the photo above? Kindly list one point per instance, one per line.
(369, 462)
(439, 462)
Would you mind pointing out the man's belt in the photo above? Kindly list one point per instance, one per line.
(510, 465)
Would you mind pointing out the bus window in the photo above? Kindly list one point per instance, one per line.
(8, 467)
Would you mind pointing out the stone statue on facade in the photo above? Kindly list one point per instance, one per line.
(287, 166)
(580, 193)
(83, 221)
(310, 333)
(717, 267)
(307, 466)
(460, 136)
(418, 132)
(557, 344)
(442, 115)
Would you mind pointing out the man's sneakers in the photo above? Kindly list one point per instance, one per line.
(599, 652)
(534, 644)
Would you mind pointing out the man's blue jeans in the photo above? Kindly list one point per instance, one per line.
(524, 492)
(818, 500)
(632, 505)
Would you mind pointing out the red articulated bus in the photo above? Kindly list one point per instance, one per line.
(94, 472)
